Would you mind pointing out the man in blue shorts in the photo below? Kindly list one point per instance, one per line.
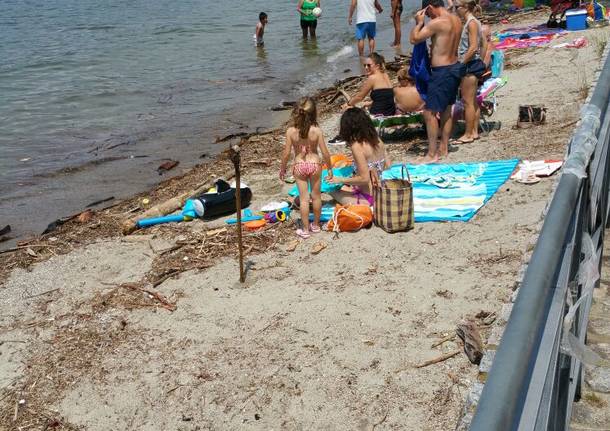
(446, 72)
(366, 22)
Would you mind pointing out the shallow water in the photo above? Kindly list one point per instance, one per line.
(112, 88)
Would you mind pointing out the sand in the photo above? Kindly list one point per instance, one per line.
(324, 342)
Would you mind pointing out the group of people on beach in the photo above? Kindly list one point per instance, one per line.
(457, 58)
(366, 21)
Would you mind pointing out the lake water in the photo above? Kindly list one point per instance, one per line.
(94, 95)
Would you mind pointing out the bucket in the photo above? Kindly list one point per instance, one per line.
(576, 19)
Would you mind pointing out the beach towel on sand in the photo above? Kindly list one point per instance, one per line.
(445, 192)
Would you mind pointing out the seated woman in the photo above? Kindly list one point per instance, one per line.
(368, 153)
(379, 86)
(406, 96)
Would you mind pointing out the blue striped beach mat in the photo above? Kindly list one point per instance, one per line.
(446, 192)
(453, 192)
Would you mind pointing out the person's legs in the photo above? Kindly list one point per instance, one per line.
(469, 88)
(360, 38)
(371, 29)
(316, 197)
(343, 197)
(432, 132)
(304, 28)
(312, 29)
(303, 187)
(446, 127)
(371, 45)
(397, 30)
(477, 119)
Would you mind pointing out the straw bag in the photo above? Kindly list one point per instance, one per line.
(393, 209)
(350, 218)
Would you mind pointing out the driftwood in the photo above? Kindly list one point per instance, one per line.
(438, 359)
(160, 298)
(473, 345)
(171, 205)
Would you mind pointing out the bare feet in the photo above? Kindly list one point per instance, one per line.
(464, 140)
(427, 159)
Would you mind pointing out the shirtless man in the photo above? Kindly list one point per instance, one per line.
(446, 73)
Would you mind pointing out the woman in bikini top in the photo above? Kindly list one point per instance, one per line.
(378, 85)
(368, 152)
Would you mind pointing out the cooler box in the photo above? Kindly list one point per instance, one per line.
(576, 19)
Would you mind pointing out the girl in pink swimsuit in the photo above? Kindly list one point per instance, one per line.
(305, 138)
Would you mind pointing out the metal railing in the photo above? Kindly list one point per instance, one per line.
(537, 370)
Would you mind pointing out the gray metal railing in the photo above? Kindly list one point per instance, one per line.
(537, 369)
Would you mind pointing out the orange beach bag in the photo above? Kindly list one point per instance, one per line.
(350, 218)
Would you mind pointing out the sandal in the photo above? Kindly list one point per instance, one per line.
(314, 228)
(302, 233)
(462, 141)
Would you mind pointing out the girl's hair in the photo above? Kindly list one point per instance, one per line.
(305, 115)
(471, 5)
(378, 60)
(357, 126)
(403, 75)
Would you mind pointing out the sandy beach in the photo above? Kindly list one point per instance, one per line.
(153, 331)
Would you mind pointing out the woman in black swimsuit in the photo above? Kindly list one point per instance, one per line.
(379, 86)
(396, 13)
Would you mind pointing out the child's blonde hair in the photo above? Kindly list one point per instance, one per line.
(305, 115)
(403, 75)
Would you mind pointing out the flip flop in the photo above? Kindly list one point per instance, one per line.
(460, 141)
(302, 233)
(314, 229)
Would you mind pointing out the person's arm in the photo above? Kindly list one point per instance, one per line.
(364, 91)
(325, 154)
(285, 156)
(419, 32)
(473, 36)
(259, 27)
(352, 8)
(378, 6)
(300, 7)
(386, 157)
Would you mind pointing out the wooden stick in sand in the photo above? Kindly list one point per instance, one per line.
(439, 359)
(235, 158)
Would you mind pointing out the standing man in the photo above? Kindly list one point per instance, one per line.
(444, 29)
(366, 22)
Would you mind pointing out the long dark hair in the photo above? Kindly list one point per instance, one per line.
(357, 126)
(305, 115)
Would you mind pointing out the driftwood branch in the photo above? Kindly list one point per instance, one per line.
(171, 205)
(438, 359)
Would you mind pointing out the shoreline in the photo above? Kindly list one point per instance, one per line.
(311, 340)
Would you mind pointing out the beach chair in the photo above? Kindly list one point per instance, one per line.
(383, 123)
(486, 98)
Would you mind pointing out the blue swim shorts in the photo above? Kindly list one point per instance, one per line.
(366, 29)
(443, 86)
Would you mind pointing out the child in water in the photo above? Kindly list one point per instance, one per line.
(305, 137)
(260, 29)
